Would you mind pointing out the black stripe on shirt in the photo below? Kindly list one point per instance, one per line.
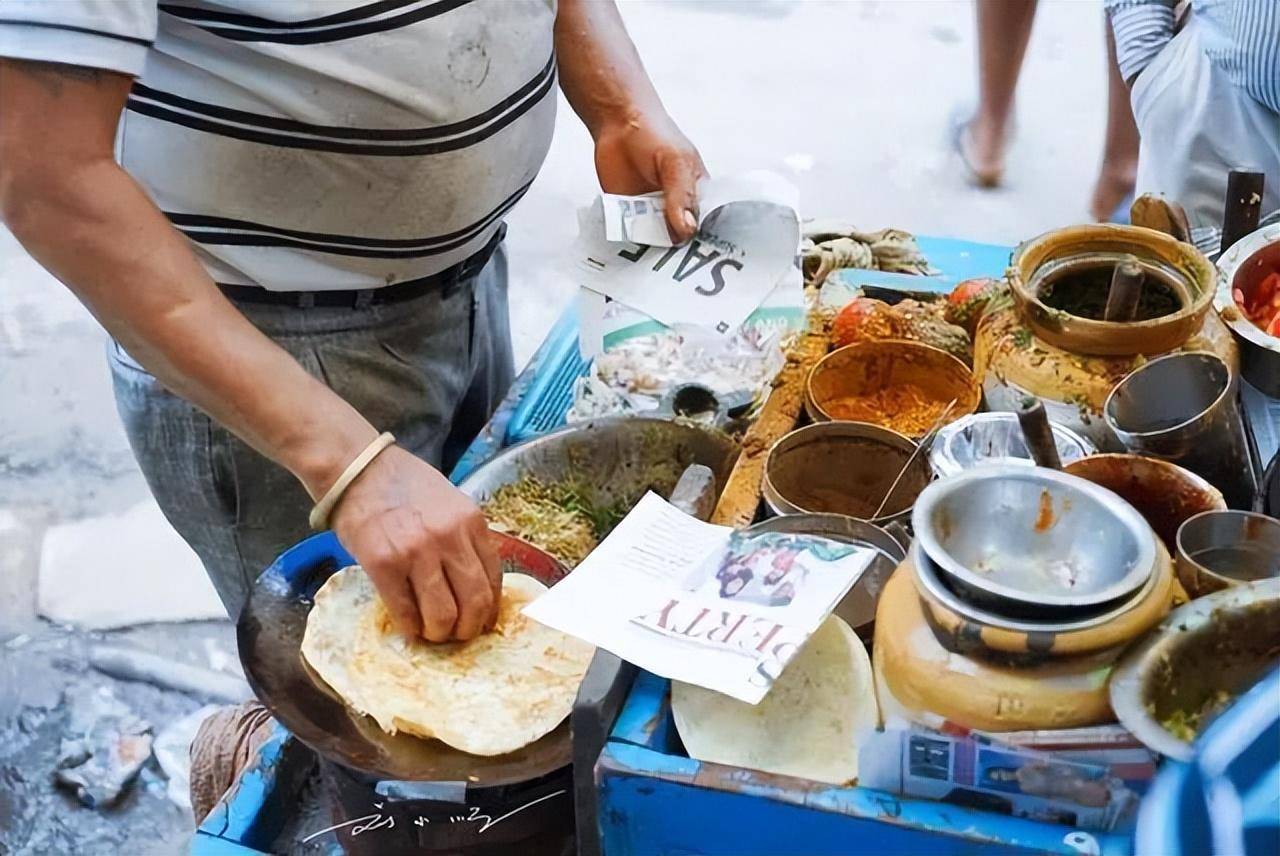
(259, 121)
(212, 16)
(342, 147)
(146, 43)
(205, 229)
(289, 34)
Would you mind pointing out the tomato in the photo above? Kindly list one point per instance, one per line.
(861, 319)
(968, 290)
(1265, 308)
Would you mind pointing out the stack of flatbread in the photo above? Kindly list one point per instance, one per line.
(488, 696)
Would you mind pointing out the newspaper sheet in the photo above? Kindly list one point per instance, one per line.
(746, 245)
(701, 603)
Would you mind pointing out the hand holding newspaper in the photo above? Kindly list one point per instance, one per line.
(701, 603)
(746, 245)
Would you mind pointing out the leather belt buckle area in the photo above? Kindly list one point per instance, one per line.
(446, 282)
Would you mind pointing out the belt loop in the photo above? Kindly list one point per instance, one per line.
(306, 299)
(364, 298)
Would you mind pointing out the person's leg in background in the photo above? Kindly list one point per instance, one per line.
(1120, 150)
(1004, 29)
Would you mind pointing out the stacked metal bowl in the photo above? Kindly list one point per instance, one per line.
(1028, 560)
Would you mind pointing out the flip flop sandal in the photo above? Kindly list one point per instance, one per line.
(959, 137)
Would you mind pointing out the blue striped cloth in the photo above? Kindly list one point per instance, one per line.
(1242, 37)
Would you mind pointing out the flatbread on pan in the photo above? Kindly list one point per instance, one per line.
(806, 726)
(488, 696)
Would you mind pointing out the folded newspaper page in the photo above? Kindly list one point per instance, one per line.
(981, 773)
(747, 240)
(701, 603)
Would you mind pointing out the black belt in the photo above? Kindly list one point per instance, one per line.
(361, 298)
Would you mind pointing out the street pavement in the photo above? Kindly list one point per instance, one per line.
(850, 100)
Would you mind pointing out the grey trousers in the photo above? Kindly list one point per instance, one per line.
(430, 370)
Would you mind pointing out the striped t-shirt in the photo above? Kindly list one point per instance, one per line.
(318, 144)
(1242, 37)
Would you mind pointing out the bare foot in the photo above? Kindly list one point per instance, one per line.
(982, 145)
(1114, 184)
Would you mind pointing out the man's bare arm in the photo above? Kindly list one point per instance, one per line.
(86, 220)
(638, 147)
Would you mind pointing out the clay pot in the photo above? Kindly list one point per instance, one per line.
(1182, 268)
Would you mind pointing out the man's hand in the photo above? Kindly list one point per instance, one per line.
(646, 154)
(424, 544)
(638, 148)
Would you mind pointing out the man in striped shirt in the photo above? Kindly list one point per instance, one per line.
(288, 214)
(1206, 96)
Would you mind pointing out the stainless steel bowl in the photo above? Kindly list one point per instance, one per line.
(1243, 265)
(617, 459)
(858, 607)
(1222, 643)
(932, 581)
(1218, 549)
(1034, 535)
(993, 438)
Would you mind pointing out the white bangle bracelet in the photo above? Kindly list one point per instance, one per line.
(319, 518)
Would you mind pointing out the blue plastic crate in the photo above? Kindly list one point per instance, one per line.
(550, 393)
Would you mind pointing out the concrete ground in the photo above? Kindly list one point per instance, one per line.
(849, 99)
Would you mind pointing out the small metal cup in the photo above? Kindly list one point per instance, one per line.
(1218, 549)
(1184, 408)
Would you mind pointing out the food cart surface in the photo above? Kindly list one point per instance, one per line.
(654, 799)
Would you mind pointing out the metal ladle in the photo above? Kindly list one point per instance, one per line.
(925, 442)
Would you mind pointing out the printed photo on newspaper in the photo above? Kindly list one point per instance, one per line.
(701, 603)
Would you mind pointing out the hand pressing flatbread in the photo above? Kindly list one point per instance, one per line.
(487, 696)
(807, 724)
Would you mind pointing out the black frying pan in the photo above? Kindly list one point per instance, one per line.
(269, 634)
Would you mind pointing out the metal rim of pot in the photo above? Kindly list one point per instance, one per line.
(1228, 391)
(1149, 654)
(837, 527)
(532, 455)
(818, 414)
(1127, 516)
(944, 462)
(927, 576)
(1257, 344)
(1257, 520)
(780, 505)
(890, 552)
(1033, 309)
